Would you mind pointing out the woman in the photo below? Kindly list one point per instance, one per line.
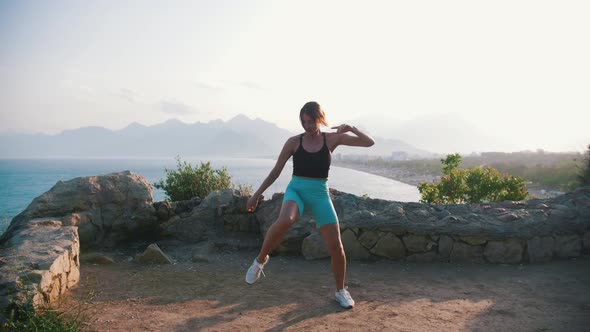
(308, 189)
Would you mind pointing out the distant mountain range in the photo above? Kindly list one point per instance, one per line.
(238, 137)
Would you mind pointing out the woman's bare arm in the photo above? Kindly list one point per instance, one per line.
(361, 139)
(285, 154)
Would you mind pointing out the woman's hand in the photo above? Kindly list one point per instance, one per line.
(342, 128)
(253, 202)
(360, 138)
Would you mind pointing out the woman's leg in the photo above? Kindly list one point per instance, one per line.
(331, 235)
(275, 234)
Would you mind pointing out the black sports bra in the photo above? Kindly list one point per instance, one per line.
(312, 164)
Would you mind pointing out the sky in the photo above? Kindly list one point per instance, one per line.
(514, 71)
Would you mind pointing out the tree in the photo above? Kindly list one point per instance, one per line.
(584, 174)
(187, 181)
(471, 186)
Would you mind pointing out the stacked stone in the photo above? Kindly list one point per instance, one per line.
(508, 232)
(38, 264)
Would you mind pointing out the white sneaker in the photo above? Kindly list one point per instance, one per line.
(344, 299)
(254, 271)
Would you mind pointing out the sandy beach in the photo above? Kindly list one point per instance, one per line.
(398, 174)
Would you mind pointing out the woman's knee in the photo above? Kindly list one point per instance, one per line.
(335, 248)
(288, 215)
(286, 221)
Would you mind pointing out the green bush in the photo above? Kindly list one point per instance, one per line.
(244, 189)
(584, 174)
(474, 185)
(187, 182)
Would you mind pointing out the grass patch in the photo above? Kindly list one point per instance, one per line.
(29, 319)
(67, 317)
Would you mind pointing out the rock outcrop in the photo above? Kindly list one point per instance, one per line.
(39, 252)
(106, 209)
(200, 221)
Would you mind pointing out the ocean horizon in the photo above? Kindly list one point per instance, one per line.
(22, 180)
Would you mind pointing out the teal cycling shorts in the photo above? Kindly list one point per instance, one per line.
(312, 194)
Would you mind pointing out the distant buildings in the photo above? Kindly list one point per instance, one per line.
(394, 156)
(399, 155)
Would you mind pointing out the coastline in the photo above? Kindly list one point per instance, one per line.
(396, 174)
(414, 179)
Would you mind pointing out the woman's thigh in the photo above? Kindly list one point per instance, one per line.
(322, 209)
(289, 213)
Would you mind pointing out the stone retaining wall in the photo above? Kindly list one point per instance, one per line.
(38, 264)
(508, 232)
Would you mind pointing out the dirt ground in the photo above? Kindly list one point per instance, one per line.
(298, 295)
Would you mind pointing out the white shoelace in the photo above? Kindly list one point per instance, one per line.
(261, 267)
(346, 295)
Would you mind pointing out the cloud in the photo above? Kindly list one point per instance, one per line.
(228, 84)
(127, 94)
(206, 86)
(251, 85)
(175, 107)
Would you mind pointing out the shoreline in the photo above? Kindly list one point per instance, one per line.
(415, 179)
(397, 174)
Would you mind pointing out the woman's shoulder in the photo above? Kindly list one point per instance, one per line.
(332, 136)
(293, 139)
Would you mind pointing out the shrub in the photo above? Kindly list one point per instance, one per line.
(584, 174)
(43, 320)
(472, 186)
(187, 181)
(244, 189)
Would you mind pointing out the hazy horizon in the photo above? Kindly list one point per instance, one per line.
(379, 135)
(510, 75)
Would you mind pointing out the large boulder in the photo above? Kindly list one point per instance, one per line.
(540, 249)
(107, 209)
(314, 247)
(507, 251)
(205, 220)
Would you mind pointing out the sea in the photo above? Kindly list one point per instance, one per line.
(21, 180)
